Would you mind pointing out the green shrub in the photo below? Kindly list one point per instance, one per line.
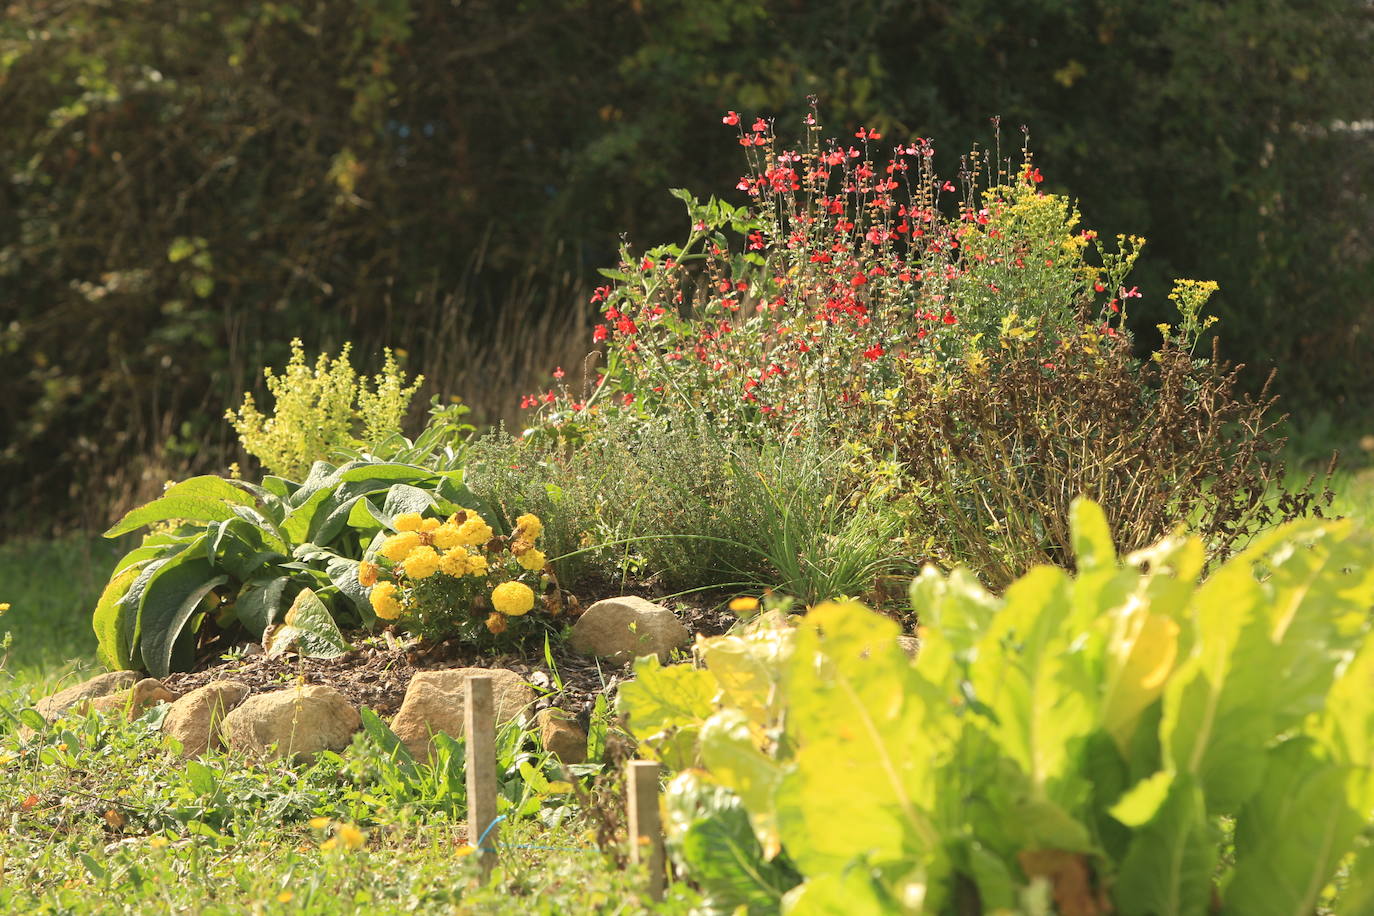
(1128, 739)
(321, 411)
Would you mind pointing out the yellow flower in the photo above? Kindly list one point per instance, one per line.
(157, 842)
(473, 531)
(384, 600)
(447, 536)
(512, 598)
(421, 563)
(529, 527)
(454, 563)
(477, 564)
(398, 546)
(408, 521)
(496, 623)
(285, 897)
(744, 604)
(532, 559)
(351, 836)
(4, 607)
(319, 823)
(367, 574)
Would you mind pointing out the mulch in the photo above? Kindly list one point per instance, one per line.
(377, 671)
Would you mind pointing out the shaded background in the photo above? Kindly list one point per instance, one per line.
(184, 186)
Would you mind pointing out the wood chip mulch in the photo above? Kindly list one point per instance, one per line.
(377, 671)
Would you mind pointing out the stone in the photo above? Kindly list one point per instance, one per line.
(622, 629)
(297, 722)
(194, 720)
(561, 735)
(911, 645)
(133, 701)
(435, 701)
(99, 686)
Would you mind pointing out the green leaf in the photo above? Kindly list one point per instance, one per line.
(1092, 536)
(261, 603)
(403, 498)
(343, 572)
(956, 604)
(1142, 801)
(201, 778)
(387, 741)
(1292, 834)
(597, 728)
(714, 842)
(172, 594)
(205, 499)
(111, 629)
(851, 892)
(660, 699)
(1168, 868)
(309, 629)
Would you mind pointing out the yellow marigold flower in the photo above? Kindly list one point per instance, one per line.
(398, 546)
(4, 607)
(496, 623)
(454, 563)
(474, 531)
(421, 563)
(408, 521)
(533, 560)
(528, 526)
(367, 574)
(477, 565)
(513, 599)
(744, 604)
(428, 525)
(319, 823)
(351, 837)
(384, 600)
(447, 536)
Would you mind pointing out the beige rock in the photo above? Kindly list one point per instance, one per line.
(622, 629)
(561, 735)
(435, 702)
(130, 703)
(297, 722)
(194, 720)
(100, 685)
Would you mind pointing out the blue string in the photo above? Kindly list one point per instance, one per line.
(501, 817)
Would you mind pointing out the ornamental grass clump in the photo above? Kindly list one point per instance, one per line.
(457, 578)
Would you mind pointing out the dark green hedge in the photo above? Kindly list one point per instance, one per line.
(350, 165)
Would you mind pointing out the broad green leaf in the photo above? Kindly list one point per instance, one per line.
(343, 572)
(205, 499)
(663, 698)
(1028, 674)
(127, 619)
(1168, 869)
(200, 777)
(261, 603)
(1141, 802)
(956, 604)
(748, 670)
(731, 754)
(308, 629)
(239, 548)
(851, 892)
(1141, 654)
(1292, 834)
(1357, 897)
(855, 720)
(712, 838)
(402, 498)
(387, 741)
(111, 631)
(1092, 536)
(172, 594)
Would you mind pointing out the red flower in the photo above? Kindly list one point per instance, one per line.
(873, 352)
(558, 373)
(599, 333)
(548, 397)
(760, 126)
(731, 118)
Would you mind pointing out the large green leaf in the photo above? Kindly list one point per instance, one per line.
(262, 602)
(205, 499)
(1292, 834)
(1168, 868)
(171, 596)
(325, 501)
(242, 549)
(715, 844)
(308, 629)
(1092, 536)
(955, 604)
(851, 892)
(111, 632)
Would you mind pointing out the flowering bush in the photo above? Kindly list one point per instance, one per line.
(456, 577)
(849, 261)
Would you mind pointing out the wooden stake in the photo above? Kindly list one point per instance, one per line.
(646, 828)
(479, 725)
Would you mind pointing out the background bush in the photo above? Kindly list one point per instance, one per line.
(187, 186)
